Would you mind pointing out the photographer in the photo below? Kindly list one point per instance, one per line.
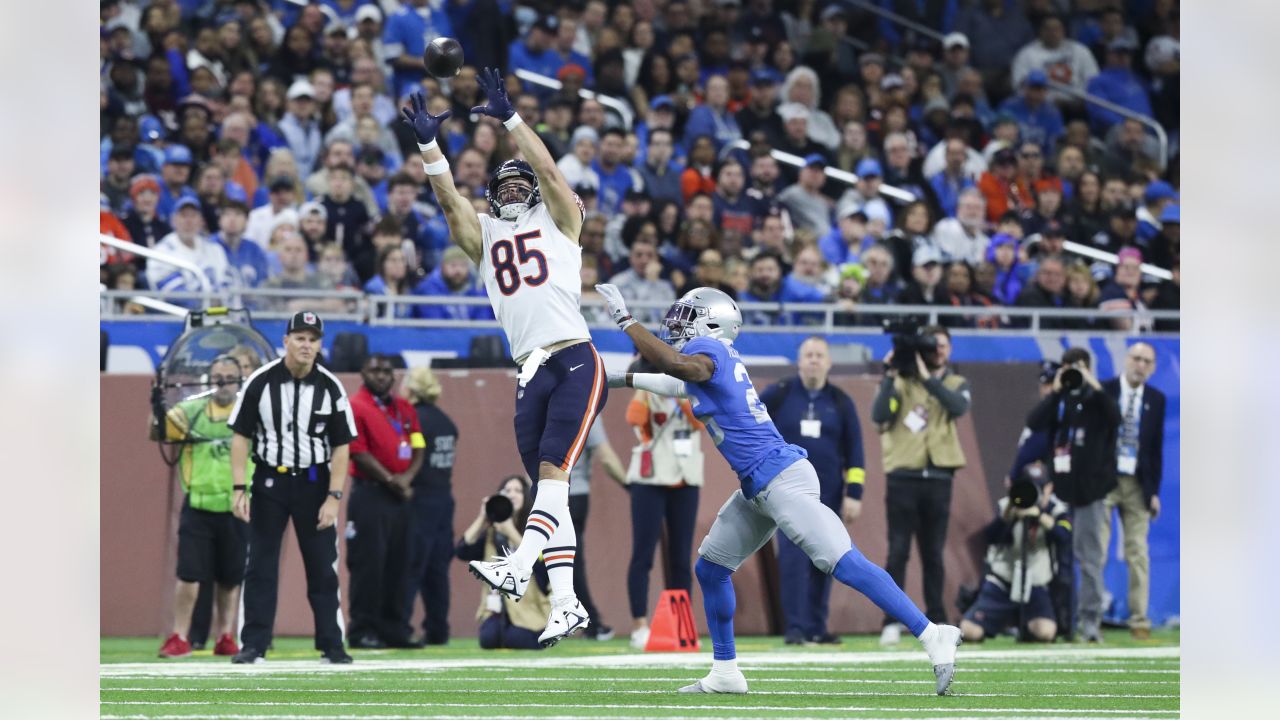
(504, 623)
(1081, 421)
(1030, 524)
(915, 410)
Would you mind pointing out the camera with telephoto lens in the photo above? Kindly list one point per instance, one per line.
(908, 343)
(1025, 491)
(498, 508)
(1072, 380)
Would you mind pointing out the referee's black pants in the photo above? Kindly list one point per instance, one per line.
(377, 558)
(920, 508)
(277, 498)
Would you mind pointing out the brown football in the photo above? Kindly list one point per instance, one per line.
(443, 58)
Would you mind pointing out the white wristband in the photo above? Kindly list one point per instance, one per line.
(511, 122)
(439, 167)
(429, 146)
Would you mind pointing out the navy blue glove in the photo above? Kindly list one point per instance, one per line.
(424, 124)
(495, 89)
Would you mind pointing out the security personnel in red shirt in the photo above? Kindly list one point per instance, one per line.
(386, 455)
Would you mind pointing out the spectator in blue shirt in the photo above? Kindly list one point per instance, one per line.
(662, 114)
(615, 177)
(452, 278)
(534, 54)
(245, 256)
(174, 175)
(844, 243)
(1038, 119)
(713, 118)
(566, 32)
(953, 178)
(1155, 199)
(1118, 83)
(767, 283)
(391, 278)
(405, 38)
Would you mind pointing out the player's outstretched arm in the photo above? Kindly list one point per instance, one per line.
(464, 226)
(689, 368)
(555, 190)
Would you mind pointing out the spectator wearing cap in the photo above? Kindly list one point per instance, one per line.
(1122, 228)
(300, 126)
(371, 166)
(282, 197)
(454, 277)
(844, 243)
(245, 257)
(405, 36)
(175, 173)
(661, 114)
(1163, 66)
(313, 223)
(535, 54)
(187, 242)
(871, 67)
(802, 86)
(809, 208)
(1003, 27)
(999, 186)
(925, 286)
(115, 184)
(575, 165)
(659, 173)
(1166, 247)
(712, 117)
(1065, 60)
(760, 112)
(1123, 291)
(963, 237)
(1158, 196)
(1039, 121)
(143, 220)
(348, 219)
(1003, 256)
(867, 190)
(955, 60)
(954, 177)
(1119, 84)
(795, 133)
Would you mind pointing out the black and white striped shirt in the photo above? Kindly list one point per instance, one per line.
(294, 423)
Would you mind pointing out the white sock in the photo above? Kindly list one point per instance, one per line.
(559, 556)
(929, 632)
(724, 667)
(550, 511)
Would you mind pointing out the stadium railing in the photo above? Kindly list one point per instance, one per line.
(1162, 138)
(380, 310)
(618, 106)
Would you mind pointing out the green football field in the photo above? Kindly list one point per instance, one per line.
(586, 679)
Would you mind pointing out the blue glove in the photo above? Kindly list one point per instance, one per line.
(495, 89)
(424, 124)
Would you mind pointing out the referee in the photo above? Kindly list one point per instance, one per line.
(299, 420)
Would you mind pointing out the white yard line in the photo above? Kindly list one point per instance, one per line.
(698, 660)
(1012, 712)
(614, 691)
(686, 678)
(634, 706)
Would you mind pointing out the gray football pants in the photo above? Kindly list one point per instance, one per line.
(789, 503)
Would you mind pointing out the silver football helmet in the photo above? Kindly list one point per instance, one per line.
(702, 312)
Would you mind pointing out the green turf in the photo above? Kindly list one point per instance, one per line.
(585, 679)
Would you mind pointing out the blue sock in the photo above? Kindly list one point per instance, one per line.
(871, 580)
(719, 603)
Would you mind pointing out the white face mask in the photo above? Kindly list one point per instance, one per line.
(511, 211)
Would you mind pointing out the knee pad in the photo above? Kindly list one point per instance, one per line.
(709, 572)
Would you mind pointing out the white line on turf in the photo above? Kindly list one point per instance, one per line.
(259, 684)
(631, 706)
(614, 691)
(748, 660)
(1012, 712)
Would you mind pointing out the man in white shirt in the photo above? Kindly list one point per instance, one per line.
(964, 236)
(187, 243)
(1062, 59)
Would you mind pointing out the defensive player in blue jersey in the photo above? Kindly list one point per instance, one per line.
(779, 486)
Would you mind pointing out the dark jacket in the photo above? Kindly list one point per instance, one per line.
(1150, 468)
(838, 447)
(1088, 424)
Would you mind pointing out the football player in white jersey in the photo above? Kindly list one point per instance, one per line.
(528, 253)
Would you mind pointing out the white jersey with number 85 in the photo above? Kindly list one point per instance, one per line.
(532, 273)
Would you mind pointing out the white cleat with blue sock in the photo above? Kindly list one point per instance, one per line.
(940, 642)
(728, 683)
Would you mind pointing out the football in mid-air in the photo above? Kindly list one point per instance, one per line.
(443, 58)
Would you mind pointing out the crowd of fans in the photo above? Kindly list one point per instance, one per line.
(261, 139)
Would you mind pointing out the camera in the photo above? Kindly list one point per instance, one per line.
(1072, 379)
(1025, 491)
(908, 343)
(498, 508)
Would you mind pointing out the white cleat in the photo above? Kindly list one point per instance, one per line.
(890, 635)
(639, 638)
(501, 575)
(734, 683)
(942, 653)
(567, 617)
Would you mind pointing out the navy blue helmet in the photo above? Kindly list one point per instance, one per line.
(509, 200)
